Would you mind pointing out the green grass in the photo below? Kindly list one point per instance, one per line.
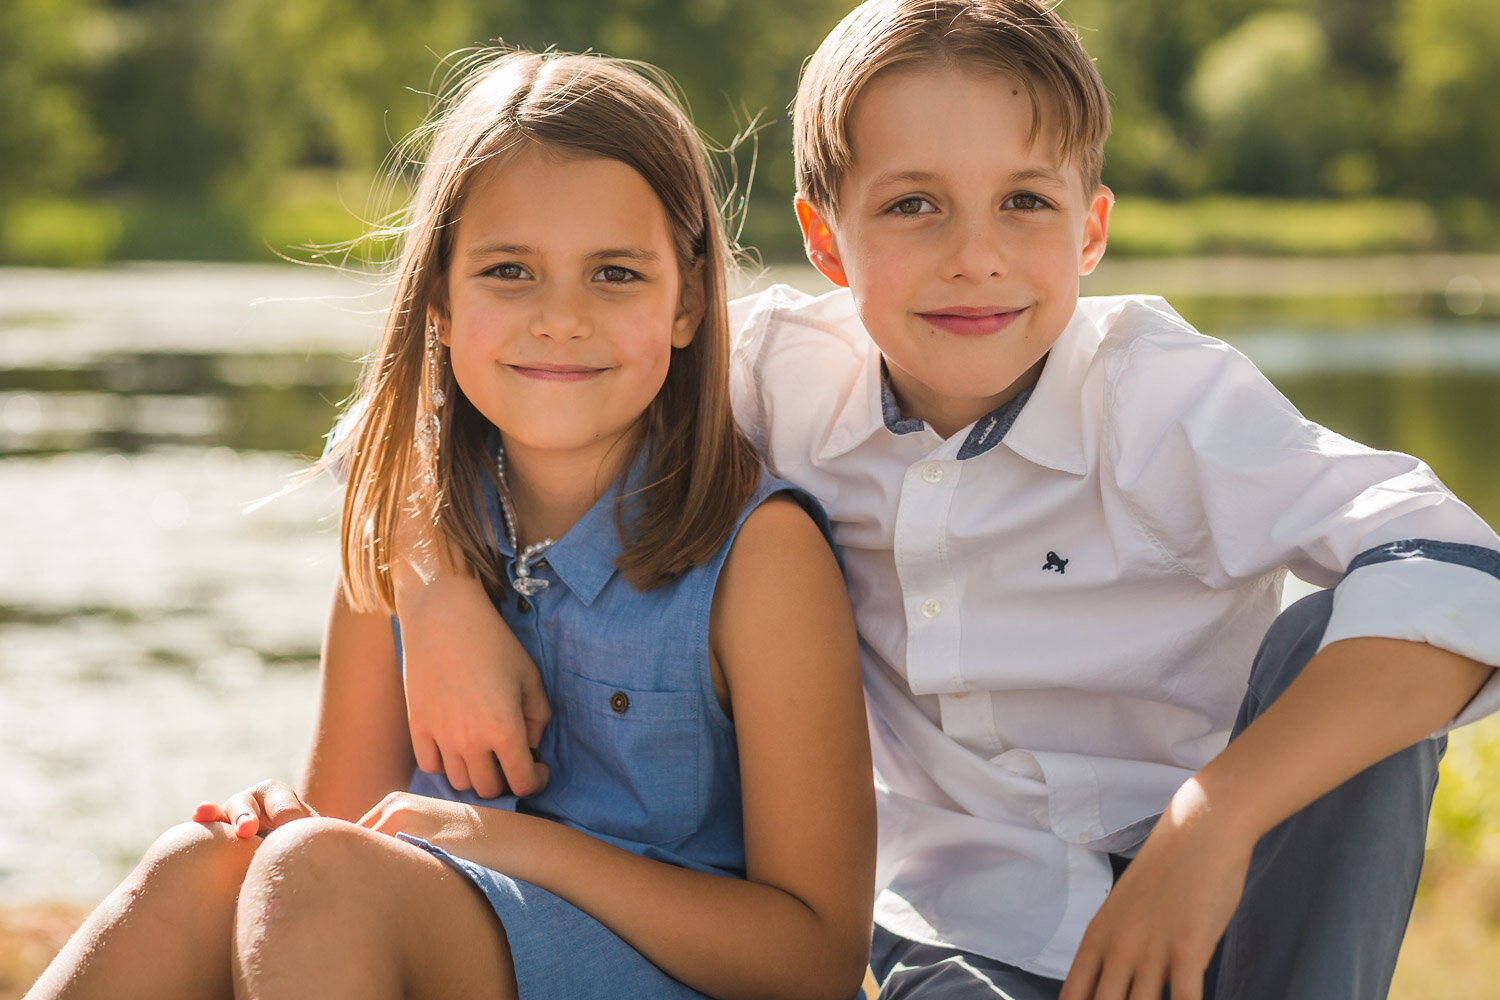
(1273, 226)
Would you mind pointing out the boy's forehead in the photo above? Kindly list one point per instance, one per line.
(907, 123)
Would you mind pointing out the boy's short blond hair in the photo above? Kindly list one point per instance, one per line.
(1024, 39)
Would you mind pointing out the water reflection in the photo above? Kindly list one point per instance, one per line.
(150, 629)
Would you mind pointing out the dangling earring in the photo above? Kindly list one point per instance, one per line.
(435, 395)
(430, 425)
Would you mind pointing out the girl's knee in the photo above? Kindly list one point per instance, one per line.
(318, 861)
(202, 853)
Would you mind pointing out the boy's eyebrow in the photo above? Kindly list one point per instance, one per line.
(895, 177)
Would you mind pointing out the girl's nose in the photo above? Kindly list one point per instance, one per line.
(562, 314)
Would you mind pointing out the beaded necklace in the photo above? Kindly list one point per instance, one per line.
(521, 580)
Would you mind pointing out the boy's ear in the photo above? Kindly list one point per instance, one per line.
(1095, 230)
(691, 305)
(822, 248)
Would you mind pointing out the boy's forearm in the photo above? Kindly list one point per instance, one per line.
(1356, 702)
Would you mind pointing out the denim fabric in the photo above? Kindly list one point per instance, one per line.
(1473, 556)
(906, 970)
(641, 754)
(1330, 890)
(1328, 893)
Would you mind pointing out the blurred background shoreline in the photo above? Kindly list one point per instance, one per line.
(159, 635)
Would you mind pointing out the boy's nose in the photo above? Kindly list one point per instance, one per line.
(975, 253)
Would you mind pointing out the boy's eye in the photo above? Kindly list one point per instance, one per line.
(1026, 202)
(913, 206)
(613, 274)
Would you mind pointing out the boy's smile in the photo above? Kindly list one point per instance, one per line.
(961, 238)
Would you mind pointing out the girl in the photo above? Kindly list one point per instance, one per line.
(557, 348)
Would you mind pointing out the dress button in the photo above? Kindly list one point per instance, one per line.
(523, 605)
(932, 472)
(931, 608)
(619, 701)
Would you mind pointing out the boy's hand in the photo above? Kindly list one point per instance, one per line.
(475, 701)
(256, 811)
(1161, 922)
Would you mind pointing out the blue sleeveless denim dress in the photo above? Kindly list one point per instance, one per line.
(641, 754)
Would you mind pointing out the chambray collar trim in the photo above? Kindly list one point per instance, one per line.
(1457, 553)
(987, 431)
(1049, 431)
(584, 558)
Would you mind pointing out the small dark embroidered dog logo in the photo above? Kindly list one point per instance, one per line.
(1057, 562)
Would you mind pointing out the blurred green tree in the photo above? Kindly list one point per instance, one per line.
(48, 141)
(1274, 117)
(1443, 128)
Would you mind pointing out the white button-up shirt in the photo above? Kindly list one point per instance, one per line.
(1057, 630)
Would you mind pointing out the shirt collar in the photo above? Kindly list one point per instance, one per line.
(985, 433)
(1049, 431)
(1046, 421)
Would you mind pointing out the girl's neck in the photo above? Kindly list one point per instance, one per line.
(551, 492)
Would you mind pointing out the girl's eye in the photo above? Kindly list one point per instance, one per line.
(1026, 202)
(509, 272)
(613, 274)
(913, 206)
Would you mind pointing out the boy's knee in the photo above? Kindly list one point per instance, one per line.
(1290, 642)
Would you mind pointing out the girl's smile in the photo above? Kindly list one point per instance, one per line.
(557, 373)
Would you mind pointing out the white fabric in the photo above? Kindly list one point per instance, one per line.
(1027, 721)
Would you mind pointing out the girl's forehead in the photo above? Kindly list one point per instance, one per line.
(549, 198)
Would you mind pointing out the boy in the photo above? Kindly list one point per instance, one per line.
(1065, 524)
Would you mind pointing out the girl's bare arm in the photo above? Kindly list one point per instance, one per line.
(360, 748)
(783, 635)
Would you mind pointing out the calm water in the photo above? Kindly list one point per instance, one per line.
(158, 643)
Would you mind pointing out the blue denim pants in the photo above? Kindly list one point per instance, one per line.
(1328, 893)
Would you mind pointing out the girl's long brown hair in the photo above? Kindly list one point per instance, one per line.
(700, 470)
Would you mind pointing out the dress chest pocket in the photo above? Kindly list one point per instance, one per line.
(628, 760)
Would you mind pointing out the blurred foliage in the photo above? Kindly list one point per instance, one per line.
(176, 128)
(1310, 227)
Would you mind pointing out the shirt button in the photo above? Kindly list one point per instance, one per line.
(931, 608)
(523, 605)
(932, 472)
(619, 701)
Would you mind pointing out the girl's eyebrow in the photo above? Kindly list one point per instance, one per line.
(500, 250)
(638, 254)
(487, 250)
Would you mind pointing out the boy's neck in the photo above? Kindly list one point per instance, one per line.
(947, 415)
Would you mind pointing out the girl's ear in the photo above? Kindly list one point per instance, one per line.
(690, 308)
(822, 247)
(437, 319)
